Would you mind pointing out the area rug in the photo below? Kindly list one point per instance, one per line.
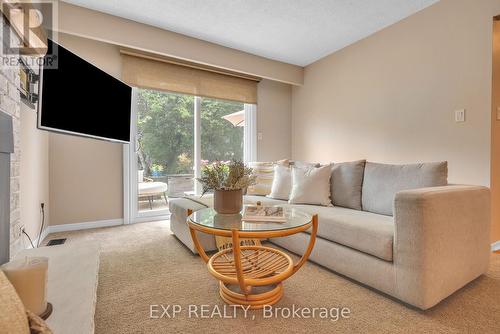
(150, 283)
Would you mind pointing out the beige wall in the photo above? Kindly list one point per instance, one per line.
(391, 97)
(34, 172)
(274, 119)
(95, 167)
(114, 30)
(495, 134)
(85, 180)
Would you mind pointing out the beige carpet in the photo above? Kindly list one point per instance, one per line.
(145, 264)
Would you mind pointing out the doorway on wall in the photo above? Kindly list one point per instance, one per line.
(173, 135)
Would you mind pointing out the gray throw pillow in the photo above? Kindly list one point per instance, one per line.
(381, 182)
(346, 183)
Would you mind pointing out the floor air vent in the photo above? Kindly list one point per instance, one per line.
(54, 242)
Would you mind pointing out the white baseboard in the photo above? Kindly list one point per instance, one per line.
(74, 227)
(92, 224)
(495, 246)
(84, 226)
(151, 219)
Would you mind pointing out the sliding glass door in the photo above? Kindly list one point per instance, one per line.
(164, 148)
(174, 135)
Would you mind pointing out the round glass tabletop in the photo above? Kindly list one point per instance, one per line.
(211, 219)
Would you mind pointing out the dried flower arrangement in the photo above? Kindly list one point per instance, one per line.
(226, 175)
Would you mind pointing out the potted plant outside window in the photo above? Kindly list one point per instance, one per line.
(156, 170)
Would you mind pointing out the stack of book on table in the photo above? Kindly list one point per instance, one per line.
(259, 213)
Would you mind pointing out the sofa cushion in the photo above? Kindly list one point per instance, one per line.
(151, 188)
(346, 183)
(311, 185)
(264, 174)
(366, 232)
(381, 182)
(282, 183)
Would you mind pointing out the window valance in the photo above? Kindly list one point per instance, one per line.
(156, 72)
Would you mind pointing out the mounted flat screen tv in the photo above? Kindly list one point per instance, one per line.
(80, 99)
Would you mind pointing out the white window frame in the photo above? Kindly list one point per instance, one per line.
(197, 144)
(250, 133)
(131, 212)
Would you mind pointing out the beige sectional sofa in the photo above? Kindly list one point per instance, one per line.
(399, 229)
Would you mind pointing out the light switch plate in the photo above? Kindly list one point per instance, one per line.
(460, 115)
(498, 113)
(259, 136)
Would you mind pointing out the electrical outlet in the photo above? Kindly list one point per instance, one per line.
(19, 231)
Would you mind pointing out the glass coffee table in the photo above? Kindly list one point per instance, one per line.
(251, 275)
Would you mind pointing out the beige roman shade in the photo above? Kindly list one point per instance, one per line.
(155, 72)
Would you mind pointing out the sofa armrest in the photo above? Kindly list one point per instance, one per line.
(441, 241)
(179, 227)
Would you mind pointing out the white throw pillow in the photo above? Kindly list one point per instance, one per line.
(282, 183)
(311, 186)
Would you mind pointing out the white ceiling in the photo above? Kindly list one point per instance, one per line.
(294, 31)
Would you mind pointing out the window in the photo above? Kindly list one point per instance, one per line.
(177, 133)
(221, 136)
(165, 133)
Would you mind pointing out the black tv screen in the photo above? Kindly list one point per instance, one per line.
(79, 98)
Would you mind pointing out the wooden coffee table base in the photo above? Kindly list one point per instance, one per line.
(254, 300)
(252, 268)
